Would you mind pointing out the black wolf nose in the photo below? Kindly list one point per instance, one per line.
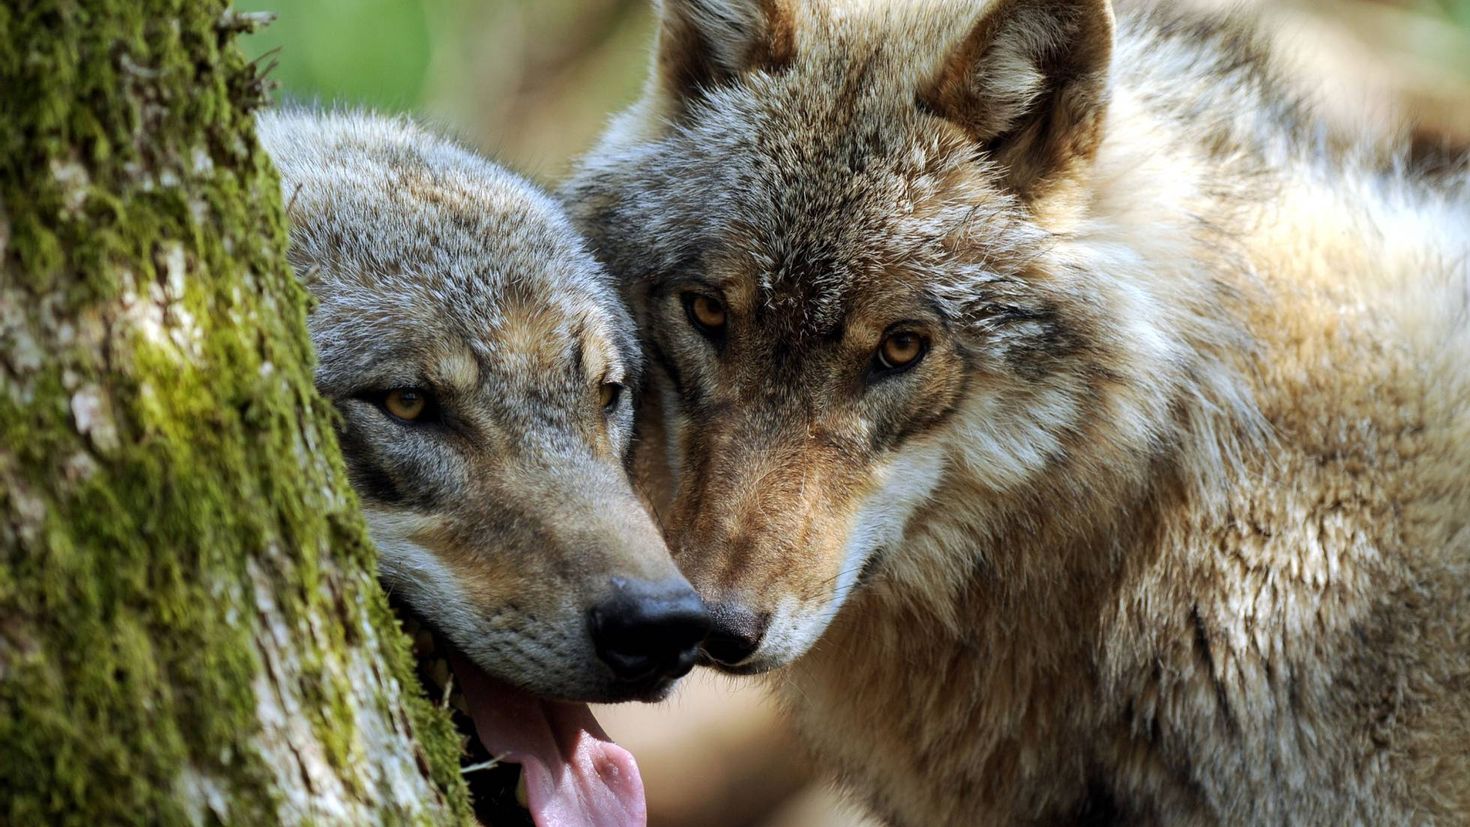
(735, 635)
(649, 630)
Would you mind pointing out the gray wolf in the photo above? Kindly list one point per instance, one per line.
(1082, 432)
(479, 359)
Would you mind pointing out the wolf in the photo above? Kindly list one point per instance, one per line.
(480, 361)
(1073, 429)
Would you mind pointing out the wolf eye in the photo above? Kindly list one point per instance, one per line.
(706, 313)
(407, 404)
(901, 350)
(609, 395)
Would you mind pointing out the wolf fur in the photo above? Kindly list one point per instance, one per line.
(1170, 524)
(505, 513)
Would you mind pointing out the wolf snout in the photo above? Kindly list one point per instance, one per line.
(735, 634)
(647, 632)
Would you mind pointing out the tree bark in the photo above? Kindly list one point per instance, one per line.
(190, 631)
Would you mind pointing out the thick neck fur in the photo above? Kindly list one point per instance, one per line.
(1159, 252)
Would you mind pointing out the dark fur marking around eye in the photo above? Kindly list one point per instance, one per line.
(375, 484)
(661, 358)
(888, 438)
(370, 479)
(1035, 340)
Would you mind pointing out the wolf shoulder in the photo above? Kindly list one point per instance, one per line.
(1356, 257)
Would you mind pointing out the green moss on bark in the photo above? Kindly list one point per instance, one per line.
(182, 568)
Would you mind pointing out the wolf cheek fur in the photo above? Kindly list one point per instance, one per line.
(1168, 524)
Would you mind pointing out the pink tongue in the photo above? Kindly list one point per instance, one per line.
(575, 776)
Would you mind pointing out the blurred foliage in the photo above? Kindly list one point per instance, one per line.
(533, 81)
(1458, 10)
(530, 81)
(369, 51)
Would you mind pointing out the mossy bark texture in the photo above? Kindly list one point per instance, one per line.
(190, 632)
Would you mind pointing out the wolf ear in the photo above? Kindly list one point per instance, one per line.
(706, 43)
(1030, 82)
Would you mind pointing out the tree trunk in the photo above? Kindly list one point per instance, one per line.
(190, 632)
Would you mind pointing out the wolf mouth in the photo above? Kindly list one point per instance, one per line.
(740, 669)
(527, 760)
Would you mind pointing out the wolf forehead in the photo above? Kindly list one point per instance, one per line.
(818, 190)
(402, 228)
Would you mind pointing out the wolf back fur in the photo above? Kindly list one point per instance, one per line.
(1172, 523)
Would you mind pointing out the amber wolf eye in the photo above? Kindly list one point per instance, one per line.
(706, 313)
(407, 404)
(900, 351)
(609, 395)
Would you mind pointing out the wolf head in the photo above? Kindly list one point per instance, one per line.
(856, 237)
(479, 358)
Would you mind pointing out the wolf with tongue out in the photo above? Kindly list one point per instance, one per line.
(479, 359)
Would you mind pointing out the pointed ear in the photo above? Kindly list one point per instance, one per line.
(703, 44)
(1030, 82)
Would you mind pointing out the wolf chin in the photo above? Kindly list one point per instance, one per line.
(1084, 429)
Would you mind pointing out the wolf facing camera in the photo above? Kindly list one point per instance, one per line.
(1079, 427)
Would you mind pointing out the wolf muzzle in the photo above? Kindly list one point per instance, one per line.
(648, 632)
(735, 634)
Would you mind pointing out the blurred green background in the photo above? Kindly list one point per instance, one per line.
(532, 82)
